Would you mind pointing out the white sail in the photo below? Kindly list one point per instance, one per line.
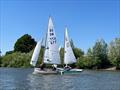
(51, 54)
(36, 54)
(69, 57)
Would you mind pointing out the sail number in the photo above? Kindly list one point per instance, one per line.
(52, 37)
(52, 40)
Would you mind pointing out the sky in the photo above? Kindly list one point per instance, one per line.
(87, 20)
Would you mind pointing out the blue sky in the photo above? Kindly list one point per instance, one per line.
(87, 20)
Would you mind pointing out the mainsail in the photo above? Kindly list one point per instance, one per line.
(69, 57)
(51, 54)
(36, 54)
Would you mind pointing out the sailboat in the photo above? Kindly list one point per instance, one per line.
(69, 56)
(51, 51)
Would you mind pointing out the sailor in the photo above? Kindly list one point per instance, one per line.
(42, 66)
(67, 68)
(54, 67)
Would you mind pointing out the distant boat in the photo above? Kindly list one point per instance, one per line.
(51, 51)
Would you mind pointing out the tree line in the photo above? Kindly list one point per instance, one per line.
(100, 56)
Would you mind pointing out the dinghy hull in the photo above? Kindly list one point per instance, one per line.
(58, 71)
(44, 72)
(76, 70)
(72, 71)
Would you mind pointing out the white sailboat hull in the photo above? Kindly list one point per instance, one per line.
(76, 70)
(71, 71)
(44, 72)
(59, 71)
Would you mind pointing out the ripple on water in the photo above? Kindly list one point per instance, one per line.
(22, 79)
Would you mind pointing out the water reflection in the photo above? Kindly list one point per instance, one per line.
(51, 82)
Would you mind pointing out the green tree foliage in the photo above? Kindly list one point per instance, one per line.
(78, 52)
(16, 59)
(114, 52)
(0, 58)
(9, 52)
(96, 57)
(62, 55)
(83, 62)
(99, 56)
(93, 61)
(87, 61)
(0, 61)
(100, 53)
(24, 44)
(40, 58)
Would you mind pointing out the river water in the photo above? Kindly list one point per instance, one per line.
(23, 79)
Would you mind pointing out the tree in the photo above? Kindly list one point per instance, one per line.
(114, 52)
(9, 52)
(100, 53)
(92, 61)
(0, 61)
(78, 55)
(90, 52)
(62, 55)
(78, 52)
(41, 55)
(24, 44)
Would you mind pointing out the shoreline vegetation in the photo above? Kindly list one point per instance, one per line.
(101, 56)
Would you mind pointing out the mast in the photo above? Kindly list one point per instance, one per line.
(46, 40)
(44, 48)
(64, 44)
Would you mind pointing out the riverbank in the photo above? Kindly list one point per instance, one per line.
(110, 69)
(106, 69)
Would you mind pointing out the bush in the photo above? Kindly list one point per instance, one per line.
(87, 62)
(16, 59)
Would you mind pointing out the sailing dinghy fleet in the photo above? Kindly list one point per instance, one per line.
(51, 54)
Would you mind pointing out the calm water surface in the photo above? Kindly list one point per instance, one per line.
(22, 79)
